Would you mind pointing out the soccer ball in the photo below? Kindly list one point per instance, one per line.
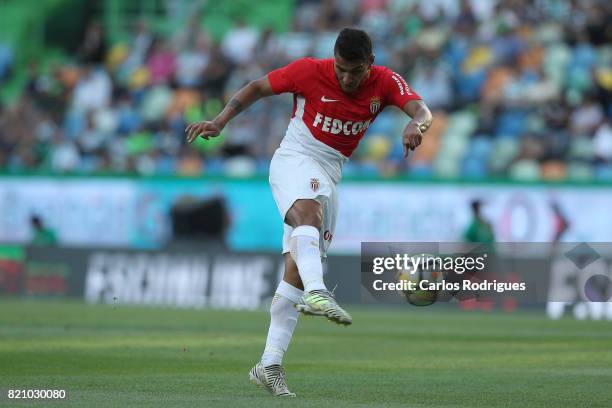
(425, 280)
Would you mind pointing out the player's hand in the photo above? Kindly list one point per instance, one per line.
(412, 137)
(206, 129)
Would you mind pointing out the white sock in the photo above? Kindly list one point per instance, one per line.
(304, 243)
(283, 318)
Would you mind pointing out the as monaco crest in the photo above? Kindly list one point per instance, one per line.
(314, 184)
(374, 104)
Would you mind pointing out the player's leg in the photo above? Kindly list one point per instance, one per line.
(306, 216)
(291, 274)
(299, 185)
(283, 315)
(269, 373)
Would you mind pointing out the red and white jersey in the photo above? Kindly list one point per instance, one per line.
(323, 112)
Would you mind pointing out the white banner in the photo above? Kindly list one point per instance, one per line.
(123, 212)
(80, 211)
(401, 212)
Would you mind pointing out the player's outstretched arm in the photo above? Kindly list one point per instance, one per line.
(244, 98)
(421, 121)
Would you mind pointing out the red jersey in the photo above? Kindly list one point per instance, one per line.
(332, 116)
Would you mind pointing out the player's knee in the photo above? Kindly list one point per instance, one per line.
(305, 212)
(315, 219)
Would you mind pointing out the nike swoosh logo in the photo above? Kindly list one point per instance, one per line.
(324, 99)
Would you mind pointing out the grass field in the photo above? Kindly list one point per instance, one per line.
(131, 357)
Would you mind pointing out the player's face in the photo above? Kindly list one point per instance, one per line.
(350, 74)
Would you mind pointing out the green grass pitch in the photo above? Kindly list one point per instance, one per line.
(414, 357)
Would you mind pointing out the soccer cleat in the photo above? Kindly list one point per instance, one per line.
(305, 309)
(272, 378)
(322, 303)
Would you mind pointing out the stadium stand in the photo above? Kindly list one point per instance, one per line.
(516, 94)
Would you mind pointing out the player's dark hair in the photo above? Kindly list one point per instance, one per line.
(353, 45)
(475, 204)
(35, 220)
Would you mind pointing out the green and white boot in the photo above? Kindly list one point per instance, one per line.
(322, 303)
(271, 378)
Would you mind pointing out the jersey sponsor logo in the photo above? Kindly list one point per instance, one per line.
(335, 126)
(327, 235)
(374, 104)
(324, 99)
(401, 84)
(314, 184)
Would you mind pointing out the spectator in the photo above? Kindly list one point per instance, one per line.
(6, 61)
(162, 62)
(93, 90)
(93, 49)
(239, 43)
(479, 229)
(42, 234)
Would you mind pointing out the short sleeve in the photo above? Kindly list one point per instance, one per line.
(290, 78)
(397, 90)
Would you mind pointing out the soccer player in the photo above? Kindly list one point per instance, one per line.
(335, 100)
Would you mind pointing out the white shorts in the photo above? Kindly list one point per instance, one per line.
(295, 176)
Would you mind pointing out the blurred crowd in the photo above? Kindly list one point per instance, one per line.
(519, 89)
